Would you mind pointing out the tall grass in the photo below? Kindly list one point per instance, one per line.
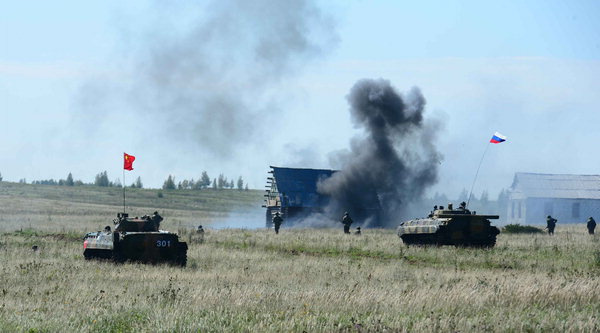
(300, 280)
(306, 280)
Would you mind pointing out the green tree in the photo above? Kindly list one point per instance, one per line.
(204, 180)
(240, 183)
(138, 183)
(102, 179)
(214, 184)
(46, 182)
(69, 181)
(169, 184)
(246, 189)
(198, 185)
(0, 177)
(222, 181)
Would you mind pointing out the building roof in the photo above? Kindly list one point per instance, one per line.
(539, 185)
(299, 186)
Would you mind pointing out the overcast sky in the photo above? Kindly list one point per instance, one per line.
(83, 82)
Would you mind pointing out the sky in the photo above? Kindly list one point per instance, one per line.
(231, 87)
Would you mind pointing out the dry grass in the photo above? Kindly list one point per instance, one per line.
(81, 208)
(303, 279)
(300, 280)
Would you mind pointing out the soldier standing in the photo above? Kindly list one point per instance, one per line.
(277, 220)
(347, 221)
(200, 233)
(156, 219)
(591, 225)
(551, 224)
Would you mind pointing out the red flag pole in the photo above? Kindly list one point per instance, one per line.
(127, 165)
(123, 186)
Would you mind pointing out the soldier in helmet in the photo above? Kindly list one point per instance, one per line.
(433, 211)
(277, 220)
(347, 221)
(200, 233)
(550, 224)
(591, 225)
(357, 232)
(156, 219)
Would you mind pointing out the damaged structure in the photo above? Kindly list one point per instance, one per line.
(294, 193)
(568, 198)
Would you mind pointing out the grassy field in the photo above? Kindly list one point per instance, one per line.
(81, 208)
(300, 280)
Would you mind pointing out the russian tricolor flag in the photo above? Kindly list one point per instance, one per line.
(497, 138)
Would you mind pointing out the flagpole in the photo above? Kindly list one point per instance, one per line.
(123, 188)
(476, 174)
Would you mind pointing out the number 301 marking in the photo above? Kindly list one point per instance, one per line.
(163, 243)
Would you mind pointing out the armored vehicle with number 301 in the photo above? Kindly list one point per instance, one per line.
(136, 239)
(459, 227)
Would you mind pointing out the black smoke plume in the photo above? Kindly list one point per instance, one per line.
(395, 156)
(210, 76)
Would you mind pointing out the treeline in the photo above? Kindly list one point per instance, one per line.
(204, 182)
(61, 182)
(102, 180)
(483, 199)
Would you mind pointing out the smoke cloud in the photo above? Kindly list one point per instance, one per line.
(212, 75)
(395, 156)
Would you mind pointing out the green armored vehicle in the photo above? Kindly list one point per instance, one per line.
(459, 227)
(136, 239)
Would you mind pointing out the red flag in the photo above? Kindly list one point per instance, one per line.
(128, 162)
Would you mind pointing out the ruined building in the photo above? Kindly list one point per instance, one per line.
(293, 192)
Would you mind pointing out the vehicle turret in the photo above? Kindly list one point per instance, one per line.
(136, 239)
(450, 226)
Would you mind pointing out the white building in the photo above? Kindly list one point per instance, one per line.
(568, 198)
